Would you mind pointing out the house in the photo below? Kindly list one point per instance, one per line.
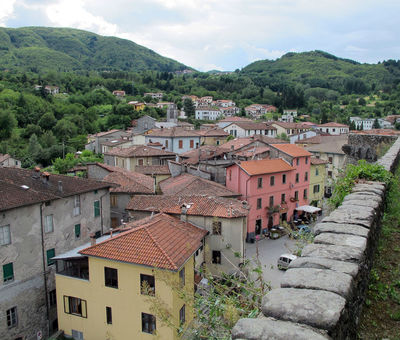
(228, 120)
(52, 89)
(385, 124)
(225, 219)
(187, 184)
(129, 158)
(126, 184)
(212, 136)
(255, 110)
(175, 139)
(246, 129)
(224, 103)
(106, 293)
(317, 181)
(207, 113)
(8, 161)
(122, 143)
(137, 106)
(333, 128)
(157, 172)
(269, 186)
(118, 93)
(290, 128)
(145, 123)
(42, 215)
(363, 123)
(95, 140)
(154, 95)
(288, 116)
(229, 111)
(302, 135)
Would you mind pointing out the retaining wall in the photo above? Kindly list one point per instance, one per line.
(323, 291)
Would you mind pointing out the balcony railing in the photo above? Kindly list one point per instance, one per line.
(74, 268)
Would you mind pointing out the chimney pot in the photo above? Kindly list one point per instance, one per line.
(92, 239)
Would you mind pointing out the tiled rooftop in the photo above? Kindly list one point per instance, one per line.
(197, 205)
(265, 166)
(130, 182)
(173, 132)
(152, 169)
(318, 161)
(139, 151)
(333, 124)
(292, 150)
(161, 241)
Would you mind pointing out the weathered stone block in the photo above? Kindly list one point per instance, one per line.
(363, 203)
(341, 240)
(363, 196)
(321, 279)
(334, 252)
(323, 263)
(271, 329)
(354, 215)
(376, 189)
(341, 228)
(316, 308)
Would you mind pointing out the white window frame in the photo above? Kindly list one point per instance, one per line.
(47, 227)
(5, 235)
(77, 205)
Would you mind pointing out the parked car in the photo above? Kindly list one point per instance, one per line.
(302, 230)
(284, 260)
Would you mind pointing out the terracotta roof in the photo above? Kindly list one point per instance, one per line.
(173, 132)
(204, 151)
(115, 142)
(162, 241)
(268, 140)
(381, 132)
(105, 133)
(130, 182)
(333, 124)
(139, 151)
(197, 205)
(288, 125)
(213, 133)
(252, 151)
(21, 187)
(237, 144)
(265, 166)
(318, 161)
(152, 169)
(253, 126)
(311, 140)
(236, 119)
(292, 150)
(328, 144)
(186, 184)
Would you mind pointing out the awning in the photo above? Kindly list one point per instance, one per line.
(308, 208)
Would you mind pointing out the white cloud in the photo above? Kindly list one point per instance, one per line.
(6, 11)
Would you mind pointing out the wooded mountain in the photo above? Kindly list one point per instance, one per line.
(41, 49)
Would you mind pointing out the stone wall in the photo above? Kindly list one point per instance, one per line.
(177, 169)
(323, 291)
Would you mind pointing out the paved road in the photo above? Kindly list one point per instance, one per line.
(269, 252)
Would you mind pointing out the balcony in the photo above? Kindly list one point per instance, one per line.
(77, 268)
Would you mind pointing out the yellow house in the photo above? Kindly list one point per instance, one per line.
(317, 181)
(117, 288)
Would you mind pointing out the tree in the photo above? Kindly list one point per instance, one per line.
(353, 125)
(7, 124)
(65, 129)
(47, 121)
(376, 124)
(35, 150)
(189, 108)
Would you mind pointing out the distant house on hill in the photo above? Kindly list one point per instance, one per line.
(118, 93)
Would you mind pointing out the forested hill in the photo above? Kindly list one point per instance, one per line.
(42, 49)
(318, 69)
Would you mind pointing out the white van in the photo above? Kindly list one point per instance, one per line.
(284, 260)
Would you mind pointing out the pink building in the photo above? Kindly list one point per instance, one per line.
(272, 187)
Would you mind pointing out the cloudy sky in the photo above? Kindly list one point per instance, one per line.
(227, 34)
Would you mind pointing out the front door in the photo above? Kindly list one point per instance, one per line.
(270, 222)
(258, 226)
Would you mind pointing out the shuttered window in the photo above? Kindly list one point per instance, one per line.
(77, 230)
(49, 254)
(96, 206)
(8, 272)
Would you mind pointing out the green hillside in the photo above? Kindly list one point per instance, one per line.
(318, 69)
(41, 49)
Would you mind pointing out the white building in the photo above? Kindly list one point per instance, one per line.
(208, 113)
(334, 128)
(363, 123)
(229, 111)
(246, 129)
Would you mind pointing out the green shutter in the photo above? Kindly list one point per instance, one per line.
(50, 253)
(77, 230)
(96, 208)
(8, 272)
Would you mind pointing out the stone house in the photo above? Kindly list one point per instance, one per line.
(96, 140)
(8, 161)
(176, 139)
(225, 220)
(145, 123)
(42, 215)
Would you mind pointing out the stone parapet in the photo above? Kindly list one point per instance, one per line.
(323, 291)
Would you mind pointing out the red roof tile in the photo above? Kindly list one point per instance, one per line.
(236, 119)
(161, 241)
(292, 150)
(317, 161)
(153, 169)
(173, 132)
(197, 205)
(130, 182)
(139, 151)
(265, 166)
(333, 124)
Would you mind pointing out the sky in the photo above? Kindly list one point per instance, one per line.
(226, 34)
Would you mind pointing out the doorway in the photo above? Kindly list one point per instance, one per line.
(258, 226)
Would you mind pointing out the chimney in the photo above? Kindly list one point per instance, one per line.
(92, 239)
(184, 209)
(36, 174)
(60, 186)
(232, 147)
(45, 177)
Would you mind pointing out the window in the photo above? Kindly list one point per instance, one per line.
(49, 254)
(109, 315)
(272, 181)
(216, 257)
(305, 193)
(283, 179)
(297, 178)
(77, 231)
(296, 195)
(75, 306)
(113, 200)
(329, 173)
(306, 176)
(306, 160)
(76, 335)
(316, 172)
(330, 159)
(111, 277)
(316, 188)
(12, 317)
(147, 285)
(259, 203)
(52, 298)
(140, 161)
(180, 144)
(77, 205)
(148, 323)
(182, 277)
(297, 161)
(191, 144)
(283, 198)
(48, 224)
(182, 316)
(8, 272)
(230, 175)
(271, 201)
(5, 236)
(166, 143)
(259, 182)
(96, 207)
(217, 227)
